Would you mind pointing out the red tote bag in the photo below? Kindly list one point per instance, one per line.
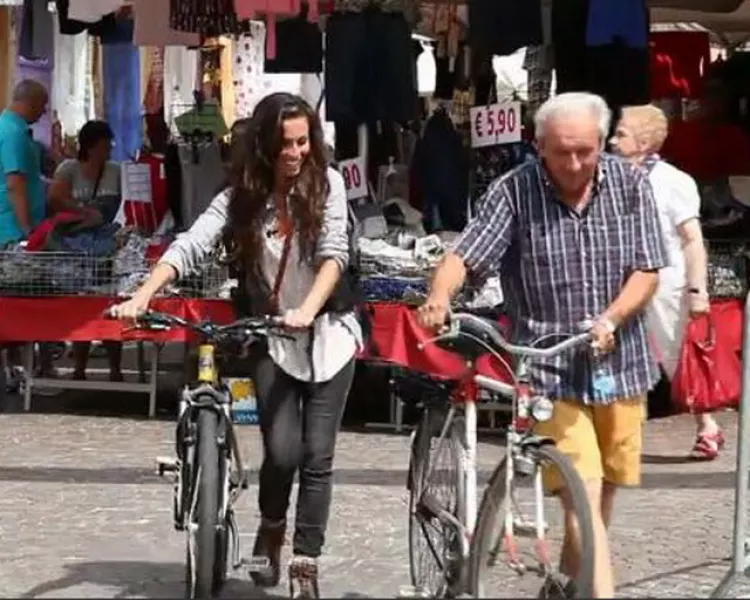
(709, 373)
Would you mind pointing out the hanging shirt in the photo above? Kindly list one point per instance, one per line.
(152, 26)
(91, 11)
(623, 20)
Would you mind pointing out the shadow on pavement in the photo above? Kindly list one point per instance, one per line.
(682, 571)
(137, 475)
(140, 580)
(374, 477)
(659, 459)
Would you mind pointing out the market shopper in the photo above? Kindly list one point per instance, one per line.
(575, 236)
(90, 182)
(22, 197)
(683, 284)
(283, 195)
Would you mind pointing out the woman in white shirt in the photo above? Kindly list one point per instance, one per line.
(284, 201)
(682, 291)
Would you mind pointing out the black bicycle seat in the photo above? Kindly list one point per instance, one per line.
(414, 386)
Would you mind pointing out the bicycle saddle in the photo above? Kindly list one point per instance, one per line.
(471, 331)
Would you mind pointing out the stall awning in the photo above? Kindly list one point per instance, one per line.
(711, 14)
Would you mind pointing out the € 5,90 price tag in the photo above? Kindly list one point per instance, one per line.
(495, 124)
(355, 177)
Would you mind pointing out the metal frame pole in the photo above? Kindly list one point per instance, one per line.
(742, 477)
(740, 558)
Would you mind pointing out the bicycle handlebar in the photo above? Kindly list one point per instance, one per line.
(246, 328)
(472, 322)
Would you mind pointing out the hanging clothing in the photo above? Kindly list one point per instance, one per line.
(122, 98)
(36, 37)
(70, 79)
(90, 11)
(202, 175)
(210, 18)
(501, 28)
(616, 71)
(298, 46)
(152, 26)
(440, 172)
(370, 73)
(625, 20)
(71, 26)
(180, 79)
(7, 57)
(247, 70)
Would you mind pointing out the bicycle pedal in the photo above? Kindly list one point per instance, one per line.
(167, 465)
(255, 564)
(527, 528)
(411, 591)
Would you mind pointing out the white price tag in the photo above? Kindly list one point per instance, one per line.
(495, 124)
(135, 180)
(355, 177)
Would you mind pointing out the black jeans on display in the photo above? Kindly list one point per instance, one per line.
(299, 422)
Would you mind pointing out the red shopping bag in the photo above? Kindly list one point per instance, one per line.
(709, 373)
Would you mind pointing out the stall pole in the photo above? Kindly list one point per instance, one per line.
(741, 545)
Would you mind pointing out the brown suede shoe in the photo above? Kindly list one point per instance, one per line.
(268, 543)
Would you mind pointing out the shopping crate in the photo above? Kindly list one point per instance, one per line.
(45, 274)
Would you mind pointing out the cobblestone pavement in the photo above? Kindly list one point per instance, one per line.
(82, 513)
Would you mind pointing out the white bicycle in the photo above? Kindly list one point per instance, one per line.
(453, 548)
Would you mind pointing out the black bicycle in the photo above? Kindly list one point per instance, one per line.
(209, 472)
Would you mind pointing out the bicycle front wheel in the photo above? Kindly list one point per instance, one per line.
(518, 541)
(205, 519)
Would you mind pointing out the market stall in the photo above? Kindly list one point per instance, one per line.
(416, 147)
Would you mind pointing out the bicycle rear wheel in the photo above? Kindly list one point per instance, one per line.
(435, 557)
(490, 574)
(205, 520)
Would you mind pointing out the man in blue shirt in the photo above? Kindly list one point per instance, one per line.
(22, 198)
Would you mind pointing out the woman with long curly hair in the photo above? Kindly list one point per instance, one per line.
(283, 223)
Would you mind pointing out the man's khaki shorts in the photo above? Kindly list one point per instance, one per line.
(604, 442)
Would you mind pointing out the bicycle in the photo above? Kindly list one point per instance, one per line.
(209, 473)
(470, 544)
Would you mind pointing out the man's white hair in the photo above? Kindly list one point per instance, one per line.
(574, 103)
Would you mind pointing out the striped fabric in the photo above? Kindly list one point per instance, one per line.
(560, 269)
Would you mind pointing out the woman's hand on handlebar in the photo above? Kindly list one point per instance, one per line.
(433, 314)
(297, 318)
(131, 309)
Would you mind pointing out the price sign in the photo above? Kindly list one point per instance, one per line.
(495, 124)
(355, 177)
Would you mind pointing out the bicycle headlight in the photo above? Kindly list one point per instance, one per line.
(541, 409)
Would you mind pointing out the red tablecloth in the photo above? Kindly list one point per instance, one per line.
(395, 333)
(81, 318)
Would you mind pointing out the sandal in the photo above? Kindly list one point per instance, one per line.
(708, 446)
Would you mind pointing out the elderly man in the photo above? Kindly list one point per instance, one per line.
(682, 291)
(575, 236)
